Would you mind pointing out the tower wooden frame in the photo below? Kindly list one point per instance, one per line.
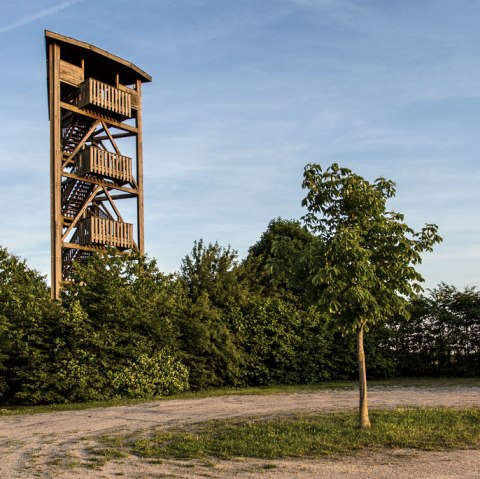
(95, 105)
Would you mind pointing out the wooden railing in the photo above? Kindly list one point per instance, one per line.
(93, 160)
(100, 231)
(106, 97)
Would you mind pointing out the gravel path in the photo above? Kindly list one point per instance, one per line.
(57, 444)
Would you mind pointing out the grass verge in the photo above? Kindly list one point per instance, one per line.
(260, 390)
(314, 436)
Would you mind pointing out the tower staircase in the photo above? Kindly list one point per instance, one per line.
(74, 195)
(74, 130)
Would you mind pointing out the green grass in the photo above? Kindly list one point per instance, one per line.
(261, 390)
(316, 436)
(13, 410)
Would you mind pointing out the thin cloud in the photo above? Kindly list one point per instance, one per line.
(42, 13)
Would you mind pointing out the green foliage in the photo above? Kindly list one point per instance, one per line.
(210, 270)
(283, 343)
(256, 267)
(124, 329)
(361, 270)
(65, 370)
(209, 345)
(129, 302)
(127, 341)
(114, 336)
(24, 307)
(442, 336)
(149, 376)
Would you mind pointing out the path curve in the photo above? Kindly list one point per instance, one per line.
(48, 444)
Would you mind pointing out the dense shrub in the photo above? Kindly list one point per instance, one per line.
(115, 334)
(124, 329)
(209, 345)
(283, 343)
(25, 311)
(147, 376)
(443, 336)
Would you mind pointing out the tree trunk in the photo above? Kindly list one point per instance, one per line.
(363, 419)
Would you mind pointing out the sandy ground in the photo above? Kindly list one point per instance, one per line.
(58, 445)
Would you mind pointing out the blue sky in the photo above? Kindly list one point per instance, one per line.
(244, 94)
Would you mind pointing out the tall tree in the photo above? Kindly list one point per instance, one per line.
(254, 269)
(361, 268)
(210, 269)
(211, 351)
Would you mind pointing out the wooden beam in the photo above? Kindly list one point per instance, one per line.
(139, 175)
(83, 247)
(116, 197)
(55, 168)
(107, 194)
(114, 135)
(94, 249)
(95, 116)
(112, 141)
(101, 206)
(101, 183)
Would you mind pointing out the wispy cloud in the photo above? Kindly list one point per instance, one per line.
(41, 14)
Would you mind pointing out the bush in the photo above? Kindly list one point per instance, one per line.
(149, 376)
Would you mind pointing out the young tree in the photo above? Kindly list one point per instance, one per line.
(361, 268)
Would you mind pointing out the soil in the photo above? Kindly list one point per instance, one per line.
(59, 445)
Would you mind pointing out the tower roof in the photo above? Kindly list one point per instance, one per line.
(98, 60)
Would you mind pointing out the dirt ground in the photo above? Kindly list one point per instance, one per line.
(58, 445)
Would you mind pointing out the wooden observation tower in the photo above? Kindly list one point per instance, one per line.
(95, 110)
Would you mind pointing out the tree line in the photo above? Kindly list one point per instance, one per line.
(283, 314)
(129, 330)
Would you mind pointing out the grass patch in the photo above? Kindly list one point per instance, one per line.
(260, 390)
(316, 436)
(16, 410)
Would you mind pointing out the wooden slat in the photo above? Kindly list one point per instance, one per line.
(101, 231)
(94, 160)
(134, 99)
(107, 97)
